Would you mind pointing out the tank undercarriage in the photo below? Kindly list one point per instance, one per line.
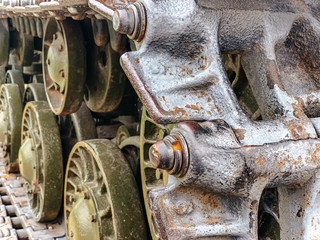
(157, 119)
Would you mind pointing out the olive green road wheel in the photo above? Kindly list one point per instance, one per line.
(76, 127)
(10, 125)
(4, 40)
(106, 82)
(101, 196)
(40, 161)
(23, 50)
(151, 178)
(34, 92)
(64, 64)
(2, 75)
(15, 77)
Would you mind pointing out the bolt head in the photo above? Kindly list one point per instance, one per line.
(161, 155)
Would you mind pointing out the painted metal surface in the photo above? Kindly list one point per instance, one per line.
(64, 64)
(230, 145)
(101, 196)
(10, 125)
(40, 161)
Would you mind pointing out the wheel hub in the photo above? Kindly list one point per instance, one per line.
(56, 62)
(28, 160)
(40, 161)
(83, 217)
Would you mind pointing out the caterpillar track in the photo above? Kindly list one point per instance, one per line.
(16, 215)
(157, 119)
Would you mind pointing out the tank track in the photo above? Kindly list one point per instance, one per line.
(15, 213)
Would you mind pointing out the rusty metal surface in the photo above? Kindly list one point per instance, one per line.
(242, 78)
(221, 166)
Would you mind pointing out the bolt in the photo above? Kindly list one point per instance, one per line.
(131, 21)
(161, 155)
(123, 21)
(71, 234)
(61, 73)
(54, 36)
(170, 154)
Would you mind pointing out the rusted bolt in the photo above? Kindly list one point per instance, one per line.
(123, 21)
(161, 155)
(171, 154)
(131, 21)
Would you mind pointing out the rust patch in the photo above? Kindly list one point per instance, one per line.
(261, 161)
(273, 75)
(178, 110)
(280, 164)
(297, 129)
(8, 176)
(194, 107)
(239, 133)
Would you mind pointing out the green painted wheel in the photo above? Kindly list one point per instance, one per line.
(76, 127)
(34, 92)
(64, 65)
(151, 178)
(4, 39)
(15, 77)
(2, 75)
(10, 125)
(106, 82)
(40, 161)
(23, 51)
(101, 197)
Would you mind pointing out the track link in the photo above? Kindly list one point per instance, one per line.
(15, 214)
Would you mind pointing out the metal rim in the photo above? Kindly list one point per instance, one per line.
(76, 127)
(40, 161)
(101, 197)
(15, 77)
(151, 178)
(10, 124)
(64, 64)
(106, 84)
(34, 92)
(4, 39)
